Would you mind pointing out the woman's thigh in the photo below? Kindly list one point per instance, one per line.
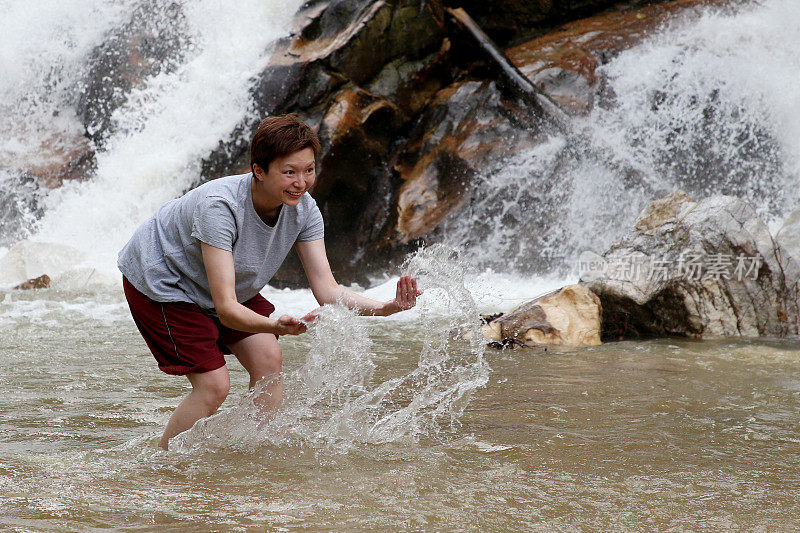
(260, 354)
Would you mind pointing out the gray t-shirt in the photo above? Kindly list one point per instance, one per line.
(163, 259)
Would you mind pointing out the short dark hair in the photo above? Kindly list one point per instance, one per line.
(280, 136)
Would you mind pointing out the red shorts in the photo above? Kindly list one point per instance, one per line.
(183, 339)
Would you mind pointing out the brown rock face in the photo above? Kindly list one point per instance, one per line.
(570, 316)
(470, 125)
(507, 20)
(465, 128)
(42, 282)
(563, 63)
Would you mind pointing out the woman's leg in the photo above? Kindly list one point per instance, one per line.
(261, 356)
(209, 390)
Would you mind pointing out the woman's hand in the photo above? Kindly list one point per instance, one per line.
(406, 297)
(311, 318)
(289, 325)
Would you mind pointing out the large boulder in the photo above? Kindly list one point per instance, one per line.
(569, 317)
(471, 125)
(696, 269)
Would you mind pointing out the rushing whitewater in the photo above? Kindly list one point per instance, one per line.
(155, 140)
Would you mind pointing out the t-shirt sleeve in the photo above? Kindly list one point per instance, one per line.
(213, 223)
(314, 227)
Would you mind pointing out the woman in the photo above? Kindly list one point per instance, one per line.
(192, 273)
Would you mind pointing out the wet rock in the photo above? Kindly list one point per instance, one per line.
(567, 317)
(154, 40)
(410, 83)
(42, 282)
(789, 235)
(507, 20)
(466, 128)
(471, 125)
(563, 63)
(696, 269)
(60, 159)
(357, 122)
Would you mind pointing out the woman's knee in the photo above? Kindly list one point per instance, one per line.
(270, 362)
(274, 357)
(213, 388)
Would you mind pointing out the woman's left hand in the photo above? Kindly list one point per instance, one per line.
(406, 297)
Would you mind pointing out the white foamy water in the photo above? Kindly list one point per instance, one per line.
(161, 132)
(44, 47)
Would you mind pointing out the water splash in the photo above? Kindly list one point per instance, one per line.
(336, 401)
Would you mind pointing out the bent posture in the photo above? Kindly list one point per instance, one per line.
(192, 273)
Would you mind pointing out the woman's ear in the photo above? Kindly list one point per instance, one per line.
(258, 172)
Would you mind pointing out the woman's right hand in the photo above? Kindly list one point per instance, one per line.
(289, 325)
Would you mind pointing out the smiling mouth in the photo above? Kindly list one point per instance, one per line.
(295, 194)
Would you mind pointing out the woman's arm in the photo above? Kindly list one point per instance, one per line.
(327, 290)
(232, 314)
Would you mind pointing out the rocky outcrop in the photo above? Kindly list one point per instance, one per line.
(42, 282)
(568, 317)
(563, 63)
(466, 127)
(408, 123)
(696, 269)
(509, 20)
(470, 125)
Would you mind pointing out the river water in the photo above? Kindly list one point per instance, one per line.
(666, 434)
(392, 423)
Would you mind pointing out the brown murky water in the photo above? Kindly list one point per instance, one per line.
(659, 435)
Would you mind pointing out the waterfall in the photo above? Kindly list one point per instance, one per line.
(68, 72)
(707, 104)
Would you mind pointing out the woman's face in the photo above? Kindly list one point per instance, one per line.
(288, 177)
